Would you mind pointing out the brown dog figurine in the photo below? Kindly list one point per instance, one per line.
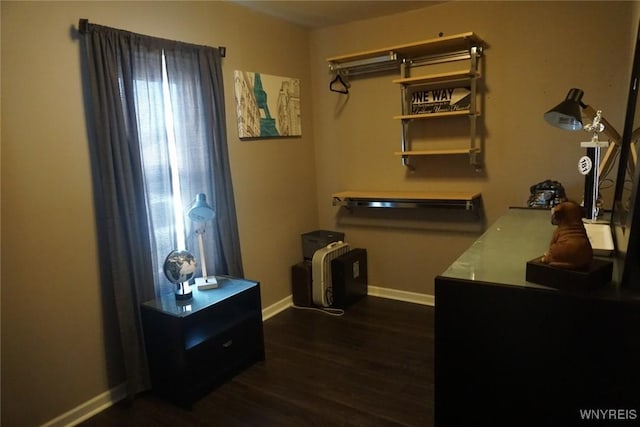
(570, 247)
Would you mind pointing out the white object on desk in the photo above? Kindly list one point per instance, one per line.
(600, 238)
(208, 282)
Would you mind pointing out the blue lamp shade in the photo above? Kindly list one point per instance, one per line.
(201, 211)
(566, 115)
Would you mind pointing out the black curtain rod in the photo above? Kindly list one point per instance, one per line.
(83, 28)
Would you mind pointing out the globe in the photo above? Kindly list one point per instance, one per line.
(179, 266)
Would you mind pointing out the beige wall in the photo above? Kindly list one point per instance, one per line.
(58, 341)
(58, 346)
(537, 52)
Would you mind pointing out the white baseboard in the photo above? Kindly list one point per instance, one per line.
(414, 297)
(376, 291)
(110, 397)
(276, 308)
(89, 408)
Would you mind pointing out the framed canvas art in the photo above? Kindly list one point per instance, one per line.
(267, 106)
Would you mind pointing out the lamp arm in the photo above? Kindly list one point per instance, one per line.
(609, 154)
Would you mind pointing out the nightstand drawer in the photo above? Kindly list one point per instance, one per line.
(227, 351)
(214, 361)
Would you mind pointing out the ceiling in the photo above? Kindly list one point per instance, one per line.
(324, 13)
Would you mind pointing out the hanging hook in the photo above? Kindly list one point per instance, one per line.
(343, 85)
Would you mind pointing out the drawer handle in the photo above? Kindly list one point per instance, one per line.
(227, 344)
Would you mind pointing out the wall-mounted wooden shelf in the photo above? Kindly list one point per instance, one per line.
(427, 56)
(434, 115)
(397, 199)
(435, 152)
(437, 78)
(410, 50)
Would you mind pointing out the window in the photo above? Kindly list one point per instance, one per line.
(174, 159)
(159, 152)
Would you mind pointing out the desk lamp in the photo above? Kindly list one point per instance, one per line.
(201, 213)
(568, 116)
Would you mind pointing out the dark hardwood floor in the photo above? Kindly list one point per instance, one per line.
(371, 367)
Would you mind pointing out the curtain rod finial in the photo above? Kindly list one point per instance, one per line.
(83, 26)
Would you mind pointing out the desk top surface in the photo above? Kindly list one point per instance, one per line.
(500, 255)
(227, 287)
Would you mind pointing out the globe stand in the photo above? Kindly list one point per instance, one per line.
(182, 293)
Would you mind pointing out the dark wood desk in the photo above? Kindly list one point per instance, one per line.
(509, 352)
(194, 345)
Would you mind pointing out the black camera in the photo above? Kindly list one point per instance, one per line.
(546, 194)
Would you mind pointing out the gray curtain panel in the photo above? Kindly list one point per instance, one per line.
(132, 81)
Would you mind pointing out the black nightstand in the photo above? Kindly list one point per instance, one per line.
(194, 345)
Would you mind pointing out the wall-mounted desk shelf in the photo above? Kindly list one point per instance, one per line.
(394, 199)
(444, 152)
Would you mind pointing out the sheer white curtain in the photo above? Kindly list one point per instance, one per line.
(157, 137)
(175, 157)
